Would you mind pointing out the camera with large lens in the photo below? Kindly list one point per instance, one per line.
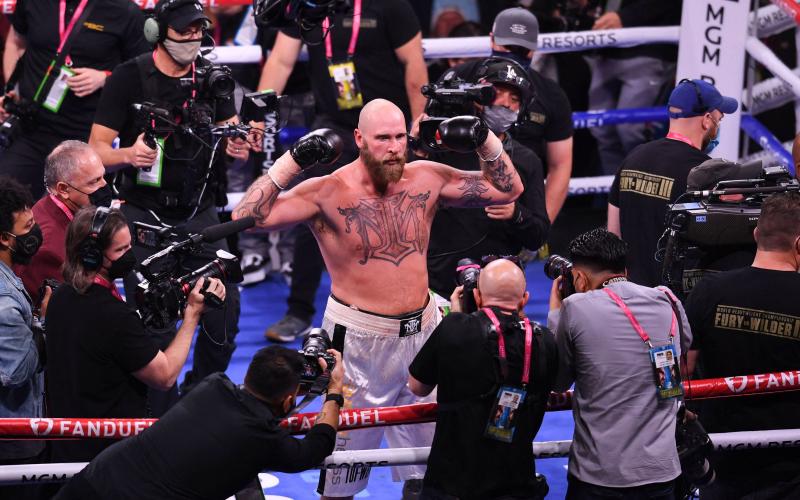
(307, 14)
(163, 296)
(315, 346)
(467, 273)
(20, 114)
(214, 81)
(694, 447)
(556, 266)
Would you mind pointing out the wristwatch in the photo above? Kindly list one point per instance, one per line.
(337, 398)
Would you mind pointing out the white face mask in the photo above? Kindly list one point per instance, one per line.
(184, 53)
(499, 118)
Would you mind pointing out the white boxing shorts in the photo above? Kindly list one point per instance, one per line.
(376, 352)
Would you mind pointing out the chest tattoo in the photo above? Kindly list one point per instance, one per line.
(391, 228)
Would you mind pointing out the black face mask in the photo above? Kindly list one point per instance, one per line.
(122, 266)
(100, 198)
(523, 61)
(27, 245)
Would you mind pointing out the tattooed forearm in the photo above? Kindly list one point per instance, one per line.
(473, 188)
(499, 174)
(258, 200)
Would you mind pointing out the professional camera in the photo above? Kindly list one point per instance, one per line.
(467, 273)
(455, 96)
(214, 81)
(714, 221)
(315, 346)
(694, 447)
(162, 298)
(307, 14)
(556, 266)
(21, 113)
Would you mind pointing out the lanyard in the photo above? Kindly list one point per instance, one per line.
(680, 137)
(99, 280)
(60, 204)
(635, 322)
(501, 343)
(64, 33)
(351, 49)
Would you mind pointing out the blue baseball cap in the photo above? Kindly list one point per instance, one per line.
(698, 97)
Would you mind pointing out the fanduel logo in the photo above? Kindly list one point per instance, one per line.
(41, 426)
(732, 385)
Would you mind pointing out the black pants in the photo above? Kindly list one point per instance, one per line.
(307, 265)
(218, 327)
(578, 490)
(24, 160)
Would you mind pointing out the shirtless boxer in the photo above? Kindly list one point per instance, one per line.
(372, 220)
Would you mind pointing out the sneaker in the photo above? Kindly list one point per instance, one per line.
(254, 269)
(287, 329)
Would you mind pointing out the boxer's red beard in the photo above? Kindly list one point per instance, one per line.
(383, 172)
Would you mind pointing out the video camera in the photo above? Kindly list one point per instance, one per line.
(307, 14)
(712, 220)
(21, 113)
(163, 294)
(452, 97)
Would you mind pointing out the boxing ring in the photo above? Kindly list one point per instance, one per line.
(360, 418)
(763, 96)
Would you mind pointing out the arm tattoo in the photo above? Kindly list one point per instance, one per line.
(473, 188)
(258, 199)
(498, 174)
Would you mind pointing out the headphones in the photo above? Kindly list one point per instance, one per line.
(700, 105)
(155, 29)
(91, 249)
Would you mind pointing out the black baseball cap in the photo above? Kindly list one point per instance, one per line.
(180, 14)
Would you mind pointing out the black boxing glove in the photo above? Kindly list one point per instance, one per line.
(319, 146)
(462, 134)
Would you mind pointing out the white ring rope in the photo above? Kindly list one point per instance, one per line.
(385, 457)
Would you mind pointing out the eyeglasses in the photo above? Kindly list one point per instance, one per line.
(486, 259)
(190, 32)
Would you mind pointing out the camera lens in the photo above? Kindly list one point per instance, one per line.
(221, 83)
(556, 265)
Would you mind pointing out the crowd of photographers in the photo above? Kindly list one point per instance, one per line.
(119, 140)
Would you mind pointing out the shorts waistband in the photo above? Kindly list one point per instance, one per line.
(401, 325)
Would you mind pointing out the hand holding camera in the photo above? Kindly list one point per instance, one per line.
(202, 293)
(141, 154)
(336, 383)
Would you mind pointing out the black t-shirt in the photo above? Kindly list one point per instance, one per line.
(209, 445)
(185, 159)
(549, 114)
(385, 26)
(459, 233)
(461, 359)
(650, 178)
(112, 33)
(745, 322)
(94, 344)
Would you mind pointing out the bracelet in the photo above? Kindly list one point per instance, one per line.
(488, 160)
(275, 182)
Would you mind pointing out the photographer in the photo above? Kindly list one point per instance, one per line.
(85, 40)
(612, 335)
(173, 181)
(497, 229)
(100, 359)
(465, 358)
(73, 176)
(21, 356)
(746, 322)
(218, 438)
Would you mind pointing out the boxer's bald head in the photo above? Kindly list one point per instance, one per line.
(502, 284)
(381, 140)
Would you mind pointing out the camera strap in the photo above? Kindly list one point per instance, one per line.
(66, 36)
(320, 386)
(501, 346)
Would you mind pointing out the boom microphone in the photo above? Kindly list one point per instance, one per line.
(219, 231)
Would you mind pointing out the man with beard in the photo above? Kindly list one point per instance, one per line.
(372, 220)
(654, 174)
